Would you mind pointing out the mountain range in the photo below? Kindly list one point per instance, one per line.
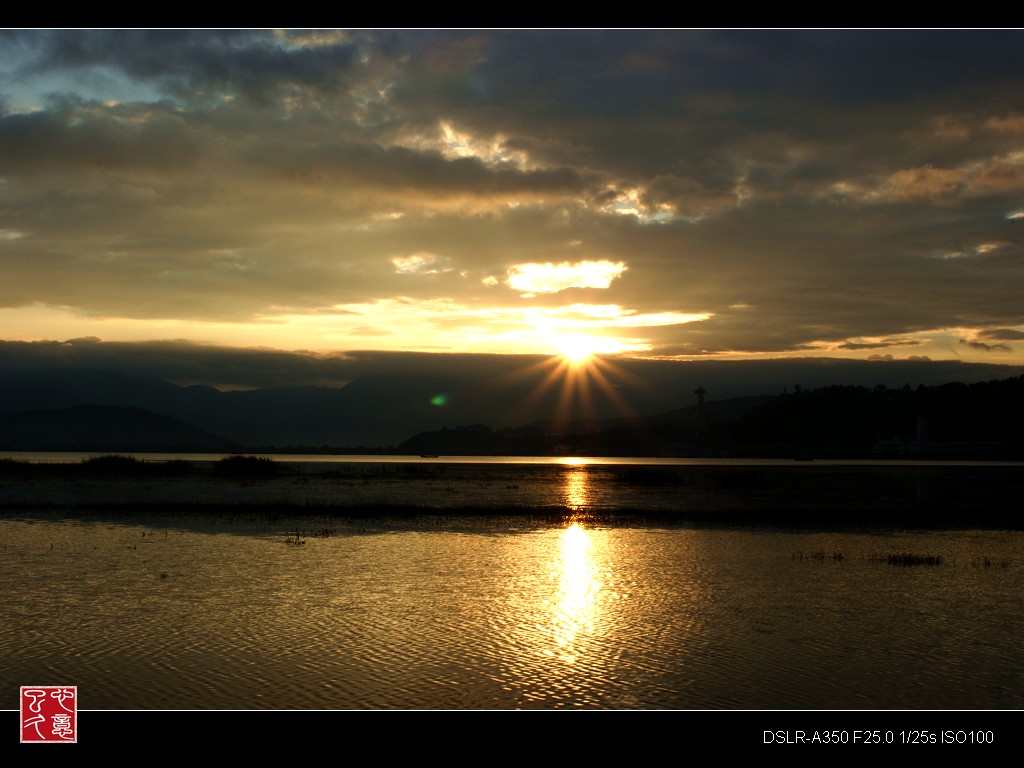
(43, 409)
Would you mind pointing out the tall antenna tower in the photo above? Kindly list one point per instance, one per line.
(700, 392)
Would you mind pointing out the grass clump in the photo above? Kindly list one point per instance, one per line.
(247, 466)
(988, 562)
(820, 555)
(13, 466)
(909, 558)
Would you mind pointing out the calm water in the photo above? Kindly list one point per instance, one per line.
(443, 613)
(43, 457)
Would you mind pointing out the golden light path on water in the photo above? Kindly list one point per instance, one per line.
(577, 491)
(575, 610)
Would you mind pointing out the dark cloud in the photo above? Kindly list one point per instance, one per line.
(1002, 334)
(986, 347)
(194, 63)
(181, 362)
(185, 363)
(809, 190)
(398, 168)
(877, 344)
(61, 140)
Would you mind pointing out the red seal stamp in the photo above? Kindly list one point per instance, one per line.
(49, 714)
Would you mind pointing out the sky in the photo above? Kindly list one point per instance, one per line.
(664, 194)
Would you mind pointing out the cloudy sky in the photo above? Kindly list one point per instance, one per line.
(683, 194)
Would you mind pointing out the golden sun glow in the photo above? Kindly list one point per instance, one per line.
(578, 350)
(578, 384)
(572, 333)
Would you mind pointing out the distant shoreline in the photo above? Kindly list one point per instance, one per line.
(802, 494)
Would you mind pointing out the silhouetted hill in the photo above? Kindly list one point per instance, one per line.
(979, 420)
(675, 431)
(382, 407)
(256, 417)
(984, 420)
(719, 410)
(103, 428)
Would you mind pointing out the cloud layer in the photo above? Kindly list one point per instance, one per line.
(678, 193)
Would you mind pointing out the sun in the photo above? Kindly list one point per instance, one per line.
(577, 377)
(578, 350)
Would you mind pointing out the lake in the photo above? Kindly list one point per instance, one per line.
(243, 608)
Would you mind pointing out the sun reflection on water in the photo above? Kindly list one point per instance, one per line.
(577, 488)
(575, 608)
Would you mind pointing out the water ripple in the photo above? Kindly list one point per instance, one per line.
(154, 616)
